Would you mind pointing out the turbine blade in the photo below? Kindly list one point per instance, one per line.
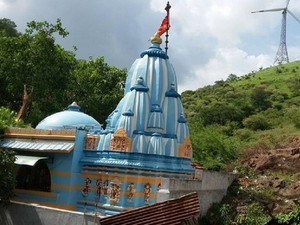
(269, 10)
(287, 3)
(292, 14)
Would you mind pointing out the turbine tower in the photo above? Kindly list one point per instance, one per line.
(282, 53)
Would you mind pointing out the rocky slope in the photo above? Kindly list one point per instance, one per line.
(266, 191)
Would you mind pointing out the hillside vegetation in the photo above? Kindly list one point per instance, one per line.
(251, 126)
(259, 109)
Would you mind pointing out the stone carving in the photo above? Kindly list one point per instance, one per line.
(185, 149)
(115, 191)
(98, 188)
(91, 142)
(147, 192)
(87, 187)
(131, 191)
(120, 141)
(105, 187)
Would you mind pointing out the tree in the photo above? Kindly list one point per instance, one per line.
(219, 112)
(257, 122)
(260, 97)
(7, 157)
(33, 59)
(8, 27)
(212, 148)
(7, 119)
(7, 178)
(232, 77)
(97, 87)
(53, 77)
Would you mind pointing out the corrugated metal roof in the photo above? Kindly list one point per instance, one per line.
(170, 212)
(45, 146)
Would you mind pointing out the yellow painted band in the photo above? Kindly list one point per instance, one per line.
(39, 193)
(60, 173)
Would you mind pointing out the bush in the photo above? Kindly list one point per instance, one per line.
(212, 147)
(253, 215)
(219, 214)
(7, 178)
(8, 118)
(257, 122)
(292, 218)
(293, 114)
(7, 158)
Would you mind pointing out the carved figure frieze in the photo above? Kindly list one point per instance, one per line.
(91, 142)
(87, 187)
(130, 191)
(147, 192)
(185, 149)
(120, 141)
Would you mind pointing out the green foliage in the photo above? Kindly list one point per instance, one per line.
(291, 218)
(8, 118)
(7, 158)
(257, 122)
(219, 113)
(8, 28)
(97, 87)
(212, 147)
(7, 178)
(260, 97)
(53, 76)
(33, 59)
(258, 109)
(232, 77)
(220, 214)
(254, 215)
(293, 114)
(295, 86)
(46, 29)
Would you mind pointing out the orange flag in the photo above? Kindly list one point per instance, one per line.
(165, 25)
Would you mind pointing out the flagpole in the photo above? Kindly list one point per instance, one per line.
(167, 32)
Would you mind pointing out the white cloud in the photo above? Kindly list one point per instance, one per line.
(212, 37)
(225, 62)
(209, 39)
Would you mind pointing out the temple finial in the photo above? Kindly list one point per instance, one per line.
(164, 27)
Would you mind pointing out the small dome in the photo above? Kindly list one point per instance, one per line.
(71, 118)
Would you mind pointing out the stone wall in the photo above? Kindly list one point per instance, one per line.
(31, 214)
(211, 187)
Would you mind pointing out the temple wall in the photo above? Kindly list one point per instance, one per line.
(20, 213)
(211, 187)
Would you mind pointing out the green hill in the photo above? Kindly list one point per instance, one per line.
(229, 116)
(251, 125)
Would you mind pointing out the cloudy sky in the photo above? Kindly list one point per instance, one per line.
(209, 39)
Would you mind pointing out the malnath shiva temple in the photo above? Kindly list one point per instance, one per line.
(143, 156)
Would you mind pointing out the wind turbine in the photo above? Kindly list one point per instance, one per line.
(282, 54)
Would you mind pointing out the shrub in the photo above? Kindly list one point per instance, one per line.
(212, 147)
(253, 215)
(257, 122)
(292, 218)
(7, 178)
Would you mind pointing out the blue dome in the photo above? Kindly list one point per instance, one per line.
(71, 118)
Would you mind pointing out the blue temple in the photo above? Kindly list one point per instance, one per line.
(118, 168)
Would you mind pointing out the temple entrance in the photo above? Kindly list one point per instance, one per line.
(36, 177)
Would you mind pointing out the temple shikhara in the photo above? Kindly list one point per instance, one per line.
(142, 157)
